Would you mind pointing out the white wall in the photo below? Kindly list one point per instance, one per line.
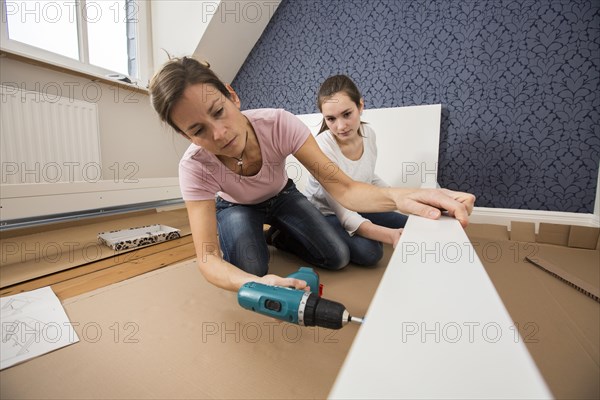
(232, 33)
(222, 32)
(177, 26)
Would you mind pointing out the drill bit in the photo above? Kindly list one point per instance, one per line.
(357, 320)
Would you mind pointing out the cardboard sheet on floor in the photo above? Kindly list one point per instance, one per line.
(564, 274)
(559, 325)
(170, 334)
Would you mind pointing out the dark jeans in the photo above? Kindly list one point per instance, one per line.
(365, 251)
(303, 232)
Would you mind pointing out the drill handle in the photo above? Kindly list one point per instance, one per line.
(311, 278)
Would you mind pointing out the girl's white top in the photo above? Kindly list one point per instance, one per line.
(362, 170)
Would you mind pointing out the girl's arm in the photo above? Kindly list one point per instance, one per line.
(379, 233)
(203, 222)
(358, 196)
(377, 181)
(354, 223)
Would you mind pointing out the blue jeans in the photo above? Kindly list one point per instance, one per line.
(303, 231)
(365, 251)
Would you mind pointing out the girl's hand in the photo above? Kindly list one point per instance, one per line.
(396, 236)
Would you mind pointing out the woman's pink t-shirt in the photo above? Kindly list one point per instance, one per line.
(202, 176)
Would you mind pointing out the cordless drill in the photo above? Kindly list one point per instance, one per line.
(296, 306)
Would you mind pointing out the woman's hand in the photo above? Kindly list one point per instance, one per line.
(275, 280)
(430, 203)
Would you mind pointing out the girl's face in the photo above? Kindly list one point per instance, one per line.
(342, 116)
(211, 120)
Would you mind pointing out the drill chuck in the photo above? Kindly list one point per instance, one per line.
(325, 313)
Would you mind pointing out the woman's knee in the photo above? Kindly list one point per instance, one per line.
(253, 263)
(254, 268)
(248, 255)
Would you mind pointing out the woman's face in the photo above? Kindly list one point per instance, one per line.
(342, 116)
(211, 120)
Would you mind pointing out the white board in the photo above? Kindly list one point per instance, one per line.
(437, 329)
(407, 142)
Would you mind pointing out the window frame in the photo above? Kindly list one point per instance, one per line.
(82, 65)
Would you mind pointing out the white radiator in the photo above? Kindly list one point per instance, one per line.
(45, 138)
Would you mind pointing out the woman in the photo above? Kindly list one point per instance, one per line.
(239, 159)
(351, 144)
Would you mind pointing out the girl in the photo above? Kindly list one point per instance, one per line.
(351, 145)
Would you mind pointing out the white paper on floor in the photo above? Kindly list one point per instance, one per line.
(33, 323)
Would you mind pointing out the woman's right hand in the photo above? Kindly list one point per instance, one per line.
(430, 203)
(275, 280)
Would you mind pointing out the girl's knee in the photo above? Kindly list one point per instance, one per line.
(339, 260)
(368, 258)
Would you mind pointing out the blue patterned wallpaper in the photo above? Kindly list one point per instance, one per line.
(518, 81)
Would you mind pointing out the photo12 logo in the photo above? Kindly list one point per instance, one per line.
(66, 12)
(26, 332)
(67, 172)
(238, 11)
(467, 331)
(265, 332)
(65, 91)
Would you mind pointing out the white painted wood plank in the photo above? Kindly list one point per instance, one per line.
(437, 328)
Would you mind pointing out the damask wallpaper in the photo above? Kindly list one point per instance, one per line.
(517, 79)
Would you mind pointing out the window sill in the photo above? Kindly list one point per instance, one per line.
(72, 71)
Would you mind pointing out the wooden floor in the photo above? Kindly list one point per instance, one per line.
(94, 275)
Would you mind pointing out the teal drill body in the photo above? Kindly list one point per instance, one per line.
(310, 276)
(295, 306)
(275, 301)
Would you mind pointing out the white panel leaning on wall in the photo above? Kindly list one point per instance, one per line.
(407, 143)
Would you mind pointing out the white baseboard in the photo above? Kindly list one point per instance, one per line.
(503, 216)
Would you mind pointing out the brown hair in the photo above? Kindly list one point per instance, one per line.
(168, 84)
(335, 84)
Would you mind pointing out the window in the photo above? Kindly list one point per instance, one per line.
(54, 31)
(99, 36)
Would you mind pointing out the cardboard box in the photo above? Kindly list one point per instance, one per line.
(522, 231)
(584, 237)
(553, 234)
